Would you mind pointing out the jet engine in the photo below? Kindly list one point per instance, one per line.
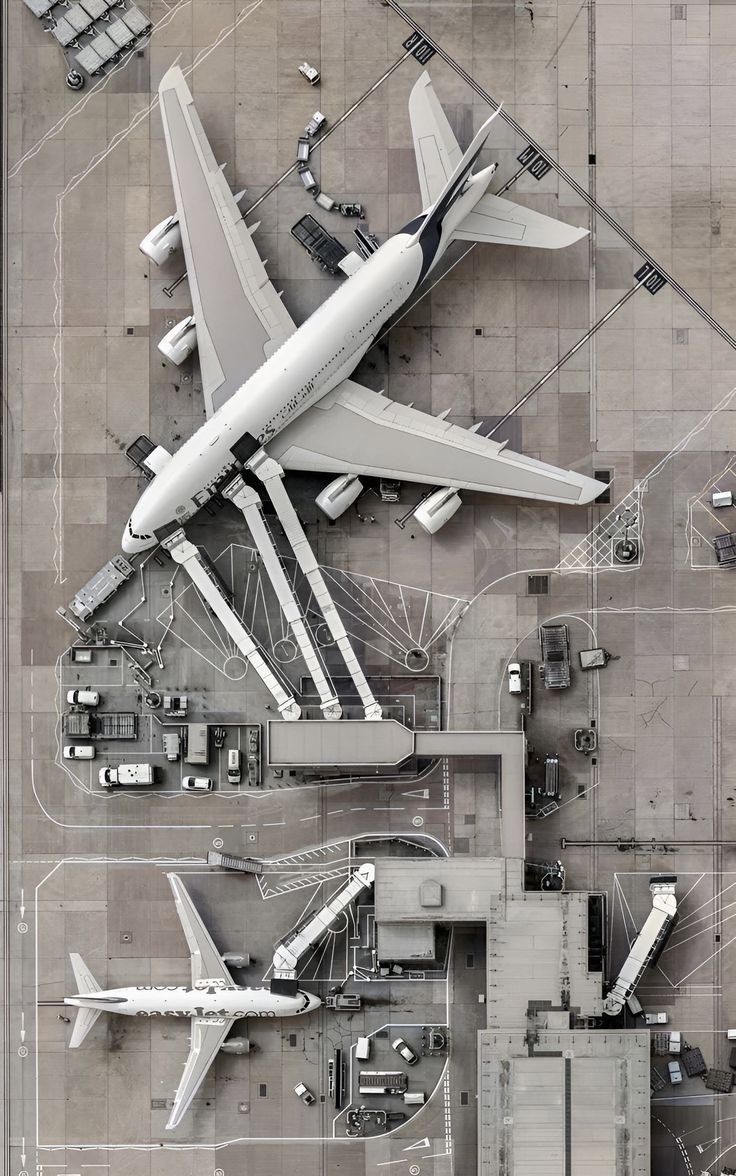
(335, 499)
(236, 1045)
(235, 959)
(162, 241)
(179, 343)
(438, 509)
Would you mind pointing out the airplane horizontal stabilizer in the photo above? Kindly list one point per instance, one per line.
(85, 1019)
(501, 222)
(85, 981)
(86, 986)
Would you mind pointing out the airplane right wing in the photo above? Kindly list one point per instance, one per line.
(353, 430)
(206, 960)
(240, 319)
(207, 1037)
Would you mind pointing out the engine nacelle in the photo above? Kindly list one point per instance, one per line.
(235, 959)
(179, 343)
(335, 499)
(236, 1045)
(438, 509)
(162, 241)
(156, 460)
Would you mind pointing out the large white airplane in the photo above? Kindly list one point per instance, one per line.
(213, 1001)
(272, 388)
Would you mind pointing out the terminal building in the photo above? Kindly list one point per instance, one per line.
(555, 1094)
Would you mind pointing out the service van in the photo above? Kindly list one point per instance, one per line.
(78, 751)
(363, 1049)
(234, 760)
(83, 697)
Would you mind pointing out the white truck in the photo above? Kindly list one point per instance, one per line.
(127, 774)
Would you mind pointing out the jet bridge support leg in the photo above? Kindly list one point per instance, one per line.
(271, 474)
(183, 552)
(248, 502)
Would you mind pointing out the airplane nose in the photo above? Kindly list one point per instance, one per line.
(132, 541)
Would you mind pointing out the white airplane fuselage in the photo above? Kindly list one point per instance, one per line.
(210, 1000)
(314, 360)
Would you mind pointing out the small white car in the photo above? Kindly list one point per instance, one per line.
(405, 1051)
(514, 678)
(81, 751)
(83, 697)
(309, 72)
(196, 784)
(675, 1072)
(304, 1093)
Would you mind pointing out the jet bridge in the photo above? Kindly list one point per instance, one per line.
(184, 552)
(648, 945)
(271, 474)
(288, 953)
(248, 502)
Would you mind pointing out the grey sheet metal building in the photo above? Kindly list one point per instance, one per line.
(554, 1096)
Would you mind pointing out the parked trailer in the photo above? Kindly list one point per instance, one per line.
(555, 643)
(100, 724)
(648, 945)
(198, 750)
(382, 1082)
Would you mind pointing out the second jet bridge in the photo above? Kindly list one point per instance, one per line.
(288, 953)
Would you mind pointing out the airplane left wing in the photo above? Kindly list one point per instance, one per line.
(206, 960)
(207, 1037)
(353, 430)
(240, 318)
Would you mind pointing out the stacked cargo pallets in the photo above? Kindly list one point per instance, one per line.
(693, 1062)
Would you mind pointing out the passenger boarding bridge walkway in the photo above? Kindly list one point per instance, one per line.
(270, 473)
(184, 552)
(248, 502)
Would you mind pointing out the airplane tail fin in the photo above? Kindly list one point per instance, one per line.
(437, 150)
(443, 170)
(441, 164)
(501, 222)
(86, 986)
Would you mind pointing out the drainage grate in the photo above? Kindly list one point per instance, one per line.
(262, 1090)
(470, 960)
(537, 585)
(603, 476)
